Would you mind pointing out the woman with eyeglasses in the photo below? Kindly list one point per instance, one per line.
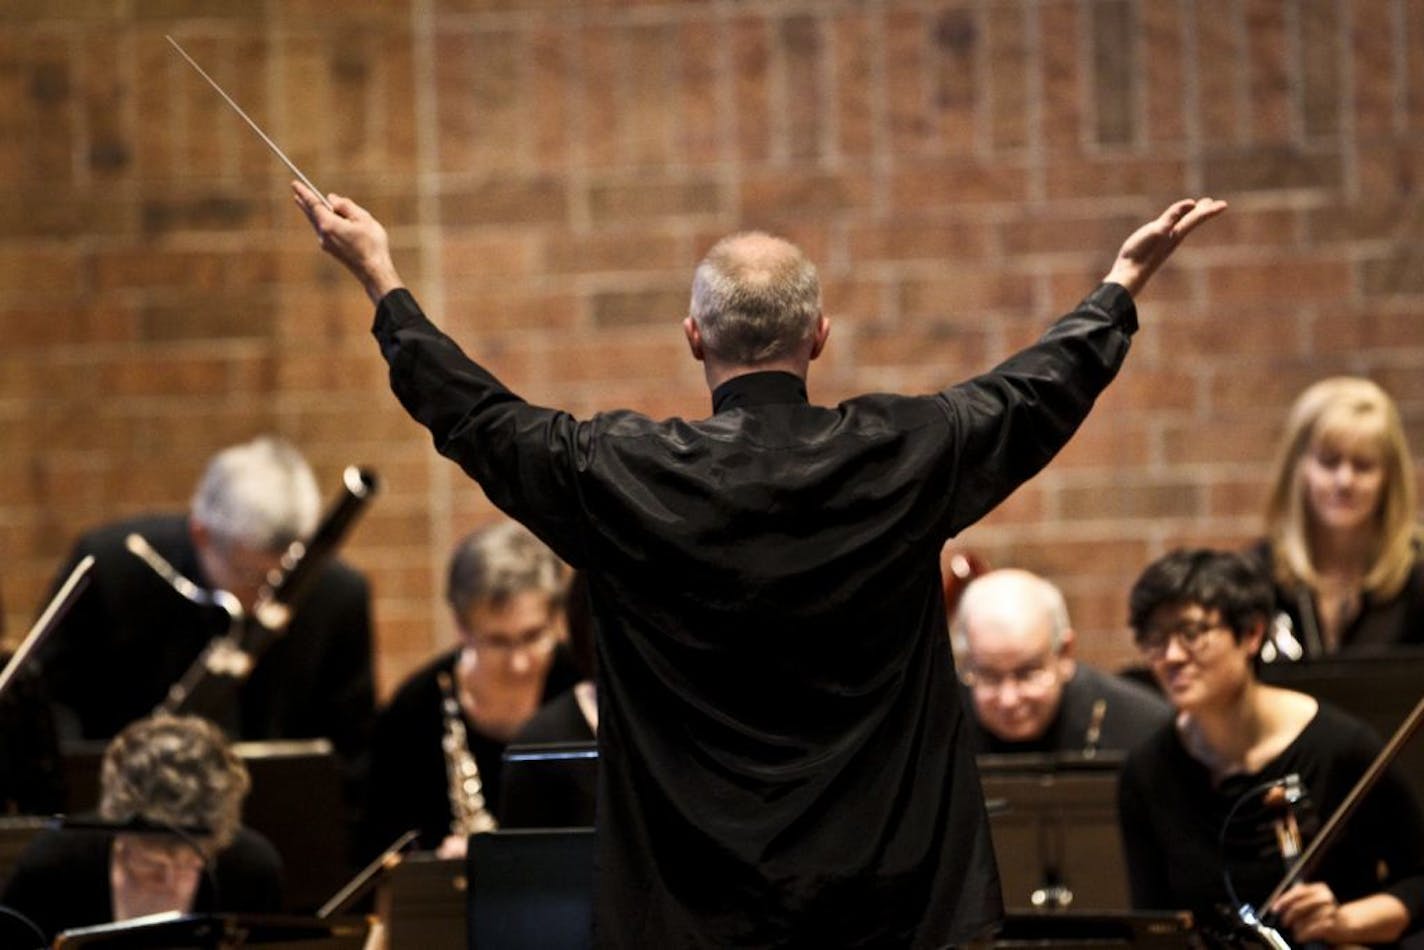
(1214, 806)
(1342, 541)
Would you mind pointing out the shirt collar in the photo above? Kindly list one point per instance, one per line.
(763, 388)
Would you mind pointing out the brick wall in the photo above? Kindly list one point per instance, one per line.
(551, 170)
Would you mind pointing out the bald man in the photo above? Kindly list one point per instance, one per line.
(1014, 645)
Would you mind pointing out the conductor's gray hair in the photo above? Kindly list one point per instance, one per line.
(755, 298)
(260, 495)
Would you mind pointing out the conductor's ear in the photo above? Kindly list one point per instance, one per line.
(823, 333)
(693, 333)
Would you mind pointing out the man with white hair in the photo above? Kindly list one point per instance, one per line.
(1014, 645)
(130, 636)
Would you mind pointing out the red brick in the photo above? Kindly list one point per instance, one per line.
(617, 251)
(802, 46)
(1309, 279)
(909, 240)
(700, 128)
(1116, 177)
(1061, 83)
(751, 69)
(1221, 58)
(1322, 75)
(769, 196)
(618, 200)
(1373, 69)
(1269, 75)
(1138, 501)
(906, 119)
(956, 46)
(857, 108)
(965, 291)
(1008, 82)
(950, 183)
(1115, 72)
(1165, 68)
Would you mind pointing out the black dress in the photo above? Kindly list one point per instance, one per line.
(409, 783)
(1381, 626)
(1173, 817)
(785, 760)
(61, 880)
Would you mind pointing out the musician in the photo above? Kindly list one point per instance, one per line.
(505, 591)
(130, 635)
(161, 772)
(1195, 808)
(778, 720)
(1342, 536)
(1014, 646)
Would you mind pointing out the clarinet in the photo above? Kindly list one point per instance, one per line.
(469, 814)
(210, 685)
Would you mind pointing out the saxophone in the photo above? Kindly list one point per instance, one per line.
(469, 814)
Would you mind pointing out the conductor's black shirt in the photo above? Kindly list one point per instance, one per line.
(785, 759)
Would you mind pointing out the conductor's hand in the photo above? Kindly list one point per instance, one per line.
(349, 234)
(1147, 247)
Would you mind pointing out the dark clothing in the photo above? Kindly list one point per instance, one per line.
(1172, 819)
(560, 794)
(410, 785)
(31, 777)
(1131, 713)
(130, 636)
(784, 756)
(61, 880)
(1380, 625)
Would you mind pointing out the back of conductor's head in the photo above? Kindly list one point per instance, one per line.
(756, 300)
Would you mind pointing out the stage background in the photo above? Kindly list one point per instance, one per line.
(550, 172)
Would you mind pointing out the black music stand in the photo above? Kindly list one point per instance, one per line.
(531, 889)
(1147, 930)
(1055, 830)
(549, 785)
(218, 931)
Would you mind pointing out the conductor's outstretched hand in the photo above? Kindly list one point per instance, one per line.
(1147, 247)
(349, 234)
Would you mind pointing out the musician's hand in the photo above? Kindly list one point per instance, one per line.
(350, 234)
(1312, 913)
(454, 846)
(1147, 247)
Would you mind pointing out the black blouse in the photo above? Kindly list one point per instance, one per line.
(1173, 817)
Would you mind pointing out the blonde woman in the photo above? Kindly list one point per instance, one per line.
(1342, 540)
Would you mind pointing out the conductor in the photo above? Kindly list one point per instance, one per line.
(784, 756)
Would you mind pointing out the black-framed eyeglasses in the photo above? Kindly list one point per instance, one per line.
(1189, 633)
